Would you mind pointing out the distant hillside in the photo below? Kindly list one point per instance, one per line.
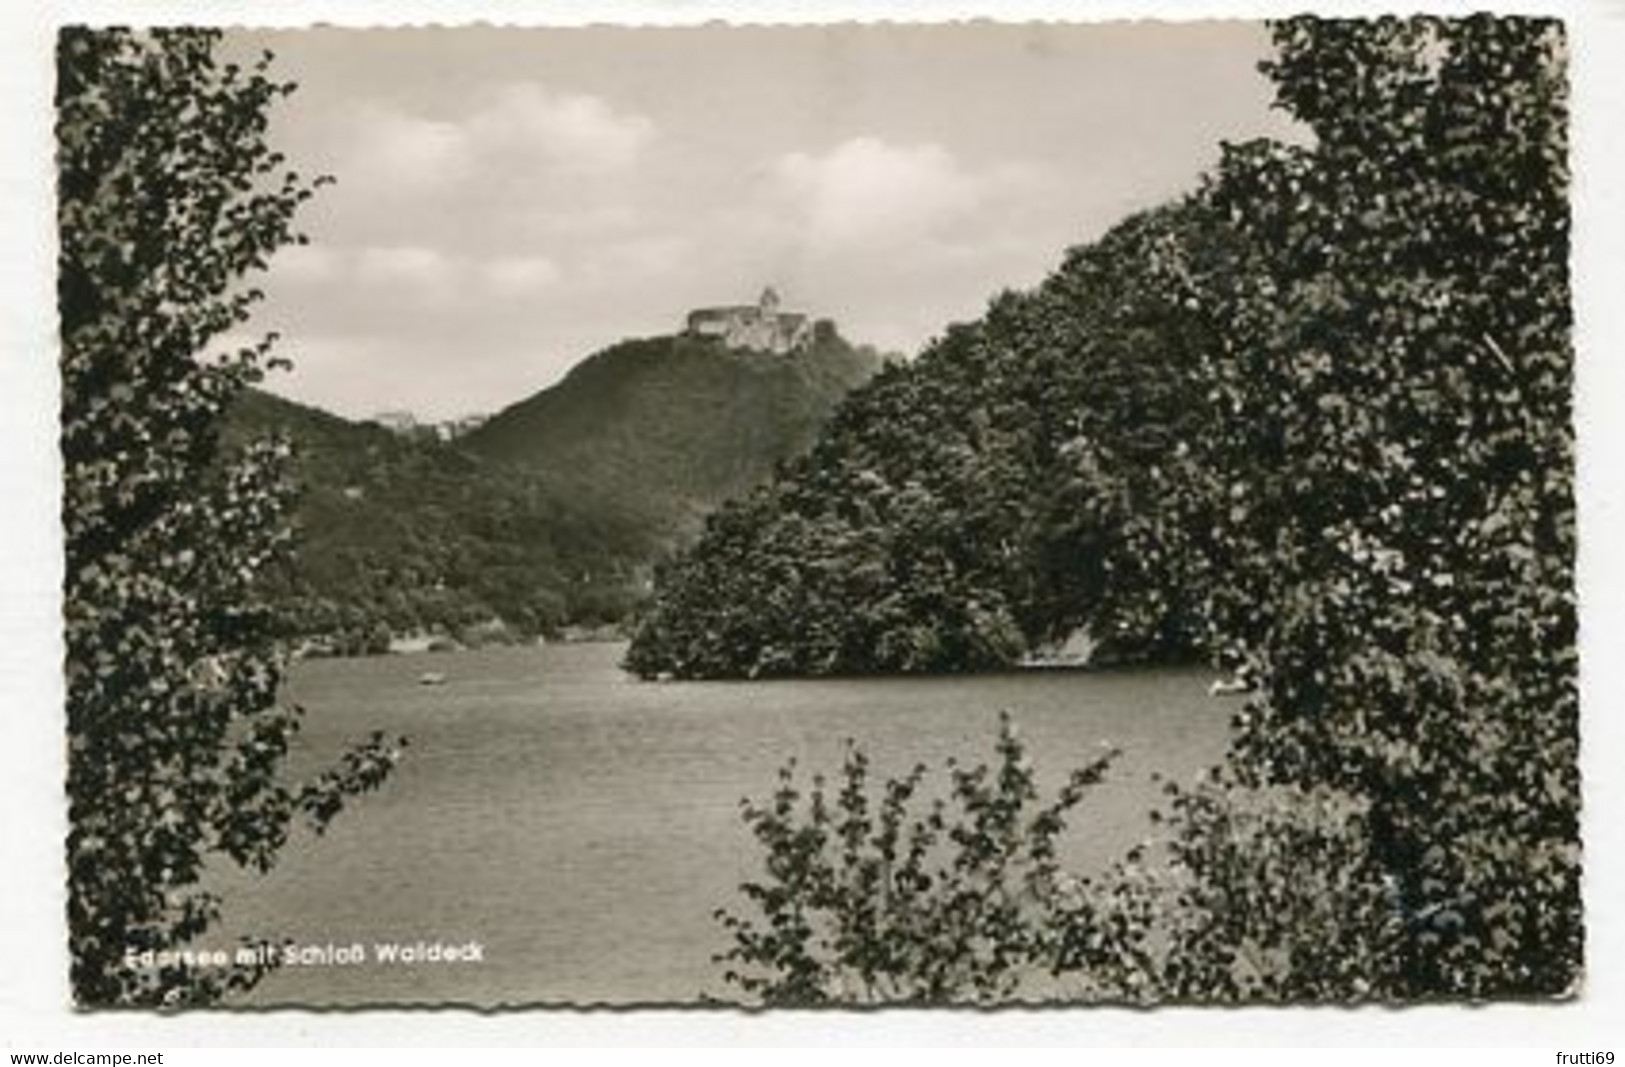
(552, 514)
(669, 427)
(405, 533)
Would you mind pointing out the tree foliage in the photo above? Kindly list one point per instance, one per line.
(870, 899)
(1398, 545)
(1320, 415)
(978, 503)
(168, 197)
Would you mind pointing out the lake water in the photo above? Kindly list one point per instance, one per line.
(582, 826)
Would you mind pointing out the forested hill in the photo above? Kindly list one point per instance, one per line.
(552, 514)
(405, 533)
(670, 427)
(980, 502)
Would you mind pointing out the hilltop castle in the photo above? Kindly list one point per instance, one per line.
(760, 326)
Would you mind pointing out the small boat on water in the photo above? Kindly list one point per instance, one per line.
(1224, 687)
(432, 678)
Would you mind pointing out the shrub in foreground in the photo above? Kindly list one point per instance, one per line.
(874, 893)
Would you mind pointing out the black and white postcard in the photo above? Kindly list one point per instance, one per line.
(821, 514)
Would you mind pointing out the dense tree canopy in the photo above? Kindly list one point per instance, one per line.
(1398, 544)
(977, 503)
(168, 197)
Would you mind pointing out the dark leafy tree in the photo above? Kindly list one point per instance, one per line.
(168, 198)
(1397, 542)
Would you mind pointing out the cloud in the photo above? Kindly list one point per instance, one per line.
(511, 276)
(420, 267)
(634, 259)
(413, 265)
(568, 130)
(397, 152)
(513, 127)
(933, 230)
(866, 191)
(307, 264)
(415, 306)
(583, 222)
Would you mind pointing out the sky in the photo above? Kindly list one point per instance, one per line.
(509, 201)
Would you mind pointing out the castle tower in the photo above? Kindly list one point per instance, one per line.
(762, 326)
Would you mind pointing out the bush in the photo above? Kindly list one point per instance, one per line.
(870, 899)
